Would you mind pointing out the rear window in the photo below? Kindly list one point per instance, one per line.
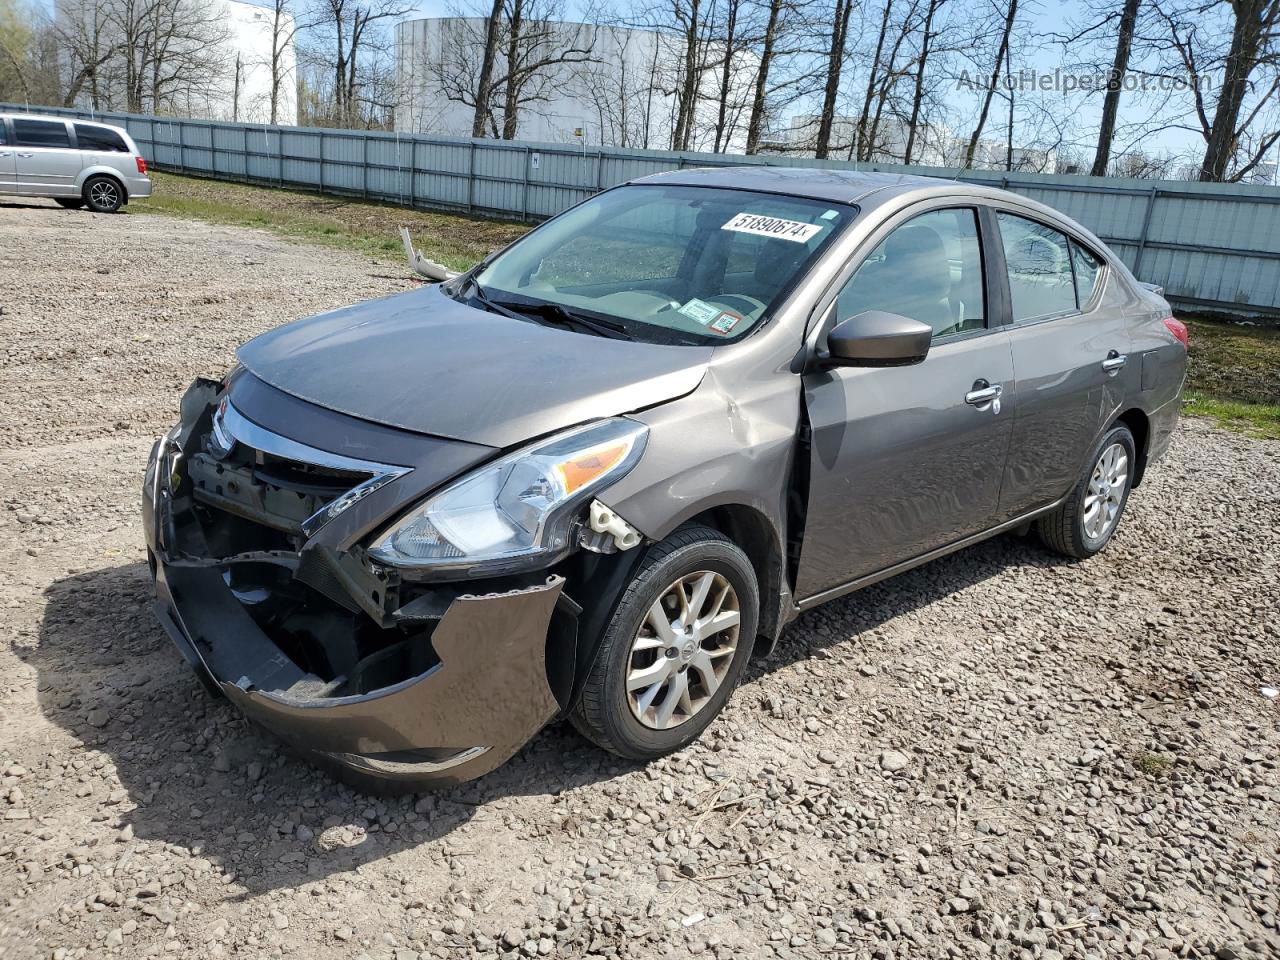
(40, 133)
(99, 138)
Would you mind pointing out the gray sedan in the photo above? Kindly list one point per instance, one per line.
(594, 475)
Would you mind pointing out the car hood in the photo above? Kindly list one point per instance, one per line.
(424, 362)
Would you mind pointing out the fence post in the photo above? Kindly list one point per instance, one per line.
(1146, 226)
(524, 194)
(471, 176)
(413, 172)
(182, 147)
(280, 153)
(364, 166)
(321, 155)
(152, 121)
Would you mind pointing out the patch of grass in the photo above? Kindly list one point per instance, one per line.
(365, 227)
(1234, 375)
(1153, 764)
(1254, 419)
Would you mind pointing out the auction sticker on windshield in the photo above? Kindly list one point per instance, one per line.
(775, 227)
(700, 311)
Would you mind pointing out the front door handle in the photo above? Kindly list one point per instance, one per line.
(984, 393)
(1115, 360)
(26, 156)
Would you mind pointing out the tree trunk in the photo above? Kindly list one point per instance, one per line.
(917, 97)
(1246, 40)
(688, 95)
(872, 76)
(726, 73)
(991, 90)
(484, 83)
(755, 125)
(511, 101)
(1115, 83)
(835, 61)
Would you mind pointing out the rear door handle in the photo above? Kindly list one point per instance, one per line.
(1115, 360)
(26, 156)
(984, 393)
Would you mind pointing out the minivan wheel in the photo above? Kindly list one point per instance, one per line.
(1086, 521)
(71, 203)
(103, 195)
(675, 649)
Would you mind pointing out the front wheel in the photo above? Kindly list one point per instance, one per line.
(675, 649)
(1086, 521)
(103, 195)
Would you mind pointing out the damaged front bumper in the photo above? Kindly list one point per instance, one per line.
(444, 687)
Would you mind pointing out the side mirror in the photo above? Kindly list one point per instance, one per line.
(875, 338)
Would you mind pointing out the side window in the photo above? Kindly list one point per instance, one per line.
(40, 133)
(100, 139)
(1039, 262)
(3, 134)
(1086, 267)
(928, 269)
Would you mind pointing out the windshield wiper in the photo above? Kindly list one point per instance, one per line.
(558, 313)
(477, 293)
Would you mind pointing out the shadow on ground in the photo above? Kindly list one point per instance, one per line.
(198, 775)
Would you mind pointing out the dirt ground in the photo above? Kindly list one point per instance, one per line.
(1000, 754)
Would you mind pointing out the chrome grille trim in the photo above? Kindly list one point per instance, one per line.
(230, 426)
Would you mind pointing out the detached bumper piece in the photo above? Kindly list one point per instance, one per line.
(440, 688)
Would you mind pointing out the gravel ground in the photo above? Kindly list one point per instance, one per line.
(998, 754)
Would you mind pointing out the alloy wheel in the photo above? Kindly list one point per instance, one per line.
(683, 649)
(1105, 496)
(103, 194)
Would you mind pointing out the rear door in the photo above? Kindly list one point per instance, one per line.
(1070, 354)
(102, 146)
(7, 159)
(904, 460)
(48, 163)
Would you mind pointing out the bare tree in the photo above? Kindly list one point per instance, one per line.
(355, 36)
(285, 26)
(833, 67)
(1115, 83)
(1242, 39)
(998, 63)
(484, 82)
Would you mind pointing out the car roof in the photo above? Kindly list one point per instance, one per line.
(815, 183)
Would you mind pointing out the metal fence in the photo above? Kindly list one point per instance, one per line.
(1212, 246)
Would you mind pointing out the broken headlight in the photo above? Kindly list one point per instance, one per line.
(518, 512)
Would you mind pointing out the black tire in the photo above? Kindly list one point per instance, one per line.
(1063, 530)
(603, 713)
(103, 194)
(71, 203)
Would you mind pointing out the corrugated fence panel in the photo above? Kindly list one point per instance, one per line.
(1211, 245)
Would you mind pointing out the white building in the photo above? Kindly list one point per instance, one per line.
(242, 91)
(619, 89)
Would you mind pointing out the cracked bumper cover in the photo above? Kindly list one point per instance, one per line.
(487, 696)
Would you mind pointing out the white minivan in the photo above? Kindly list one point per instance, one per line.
(75, 162)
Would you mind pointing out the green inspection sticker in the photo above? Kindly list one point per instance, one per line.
(700, 310)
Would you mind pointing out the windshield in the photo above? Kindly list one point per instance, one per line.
(668, 264)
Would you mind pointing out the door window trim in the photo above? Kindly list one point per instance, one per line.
(822, 316)
(1104, 265)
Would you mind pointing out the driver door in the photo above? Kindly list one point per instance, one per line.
(905, 460)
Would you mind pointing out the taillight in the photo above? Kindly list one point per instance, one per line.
(142, 164)
(1178, 329)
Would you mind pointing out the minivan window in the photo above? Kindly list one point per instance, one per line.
(669, 264)
(99, 138)
(1086, 267)
(929, 269)
(1039, 262)
(40, 133)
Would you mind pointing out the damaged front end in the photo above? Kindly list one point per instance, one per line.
(255, 541)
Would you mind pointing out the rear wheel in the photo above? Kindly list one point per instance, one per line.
(1086, 521)
(103, 194)
(675, 649)
(71, 203)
